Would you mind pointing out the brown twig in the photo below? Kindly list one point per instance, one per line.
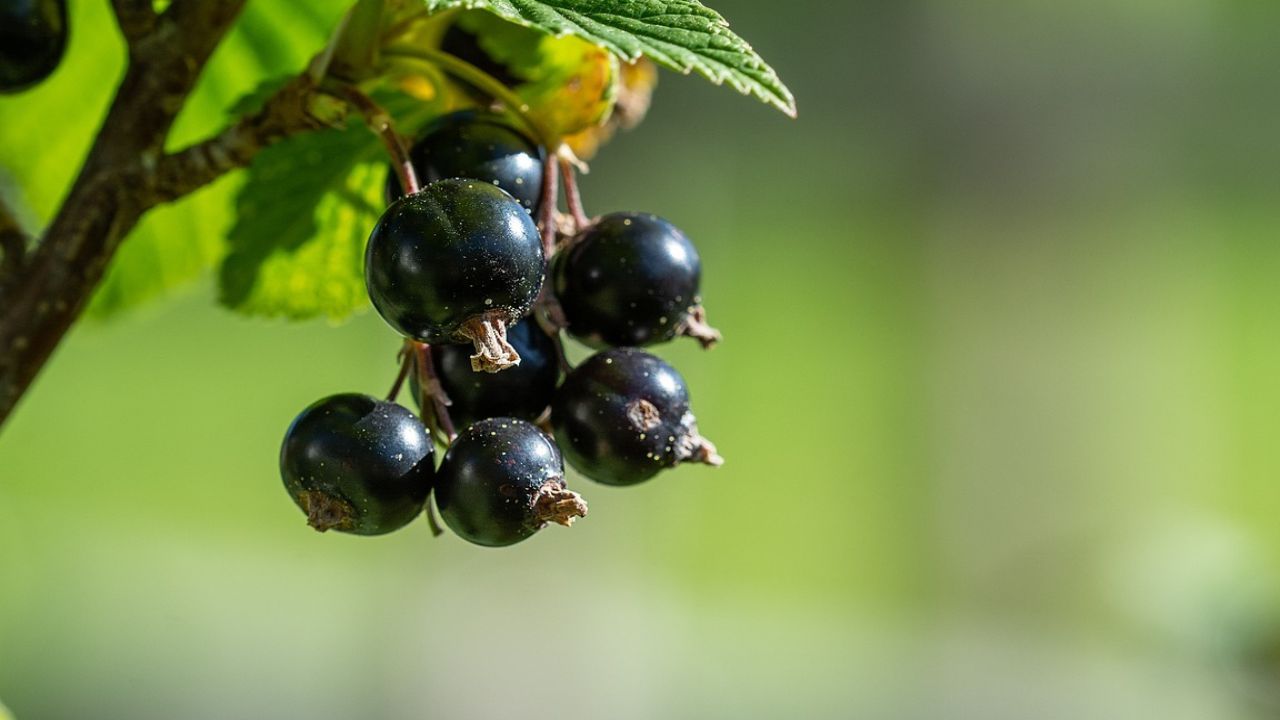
(13, 244)
(137, 20)
(126, 173)
(286, 113)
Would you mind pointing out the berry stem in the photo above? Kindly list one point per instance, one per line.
(379, 121)
(572, 197)
(549, 315)
(406, 361)
(550, 318)
(434, 402)
(547, 205)
(432, 522)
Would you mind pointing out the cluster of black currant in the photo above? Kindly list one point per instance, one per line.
(458, 268)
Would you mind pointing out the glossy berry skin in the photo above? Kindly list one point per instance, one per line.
(630, 279)
(492, 479)
(623, 415)
(456, 251)
(33, 36)
(522, 392)
(477, 146)
(357, 464)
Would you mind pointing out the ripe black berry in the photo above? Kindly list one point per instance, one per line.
(33, 36)
(458, 262)
(476, 146)
(631, 279)
(522, 392)
(623, 415)
(357, 464)
(501, 481)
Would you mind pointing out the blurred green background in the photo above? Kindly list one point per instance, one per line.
(999, 399)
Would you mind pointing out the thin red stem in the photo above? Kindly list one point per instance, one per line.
(406, 361)
(548, 315)
(547, 205)
(379, 121)
(433, 401)
(572, 197)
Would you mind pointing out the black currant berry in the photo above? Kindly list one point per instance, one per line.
(501, 481)
(476, 146)
(522, 392)
(357, 464)
(623, 415)
(631, 279)
(459, 262)
(33, 36)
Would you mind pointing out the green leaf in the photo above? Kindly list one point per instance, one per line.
(683, 35)
(303, 217)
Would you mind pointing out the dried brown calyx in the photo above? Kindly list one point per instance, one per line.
(554, 503)
(690, 446)
(488, 332)
(643, 415)
(695, 326)
(326, 512)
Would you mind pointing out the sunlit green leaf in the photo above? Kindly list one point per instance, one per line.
(303, 216)
(683, 35)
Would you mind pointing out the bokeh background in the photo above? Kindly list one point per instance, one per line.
(999, 399)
